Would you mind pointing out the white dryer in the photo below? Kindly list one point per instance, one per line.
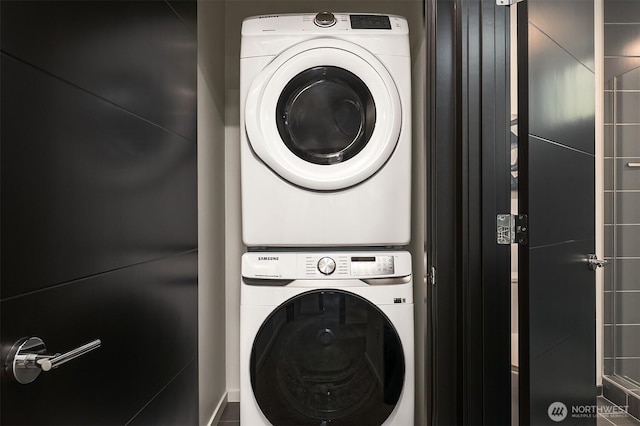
(325, 108)
(326, 339)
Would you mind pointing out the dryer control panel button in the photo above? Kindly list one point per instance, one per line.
(325, 19)
(326, 265)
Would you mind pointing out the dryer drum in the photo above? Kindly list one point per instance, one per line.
(325, 115)
(327, 356)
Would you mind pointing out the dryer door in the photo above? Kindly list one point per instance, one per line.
(324, 115)
(327, 357)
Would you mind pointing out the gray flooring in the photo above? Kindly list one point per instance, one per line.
(615, 419)
(230, 415)
(605, 417)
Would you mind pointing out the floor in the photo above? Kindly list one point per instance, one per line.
(606, 416)
(231, 414)
(615, 419)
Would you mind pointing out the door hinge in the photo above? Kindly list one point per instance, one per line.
(507, 2)
(512, 229)
(432, 275)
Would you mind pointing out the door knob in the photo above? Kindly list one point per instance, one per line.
(27, 358)
(594, 263)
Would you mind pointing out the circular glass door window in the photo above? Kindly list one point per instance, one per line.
(325, 115)
(327, 357)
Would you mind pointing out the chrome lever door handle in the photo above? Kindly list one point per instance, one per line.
(27, 358)
(594, 263)
(47, 363)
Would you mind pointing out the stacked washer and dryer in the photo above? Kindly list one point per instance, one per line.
(327, 294)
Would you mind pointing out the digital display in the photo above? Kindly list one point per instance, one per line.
(371, 266)
(370, 22)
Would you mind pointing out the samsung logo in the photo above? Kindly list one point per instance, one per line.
(268, 258)
(267, 16)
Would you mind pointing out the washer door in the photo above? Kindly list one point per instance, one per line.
(324, 115)
(327, 357)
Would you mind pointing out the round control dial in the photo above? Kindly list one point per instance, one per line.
(326, 265)
(325, 19)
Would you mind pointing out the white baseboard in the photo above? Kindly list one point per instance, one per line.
(217, 413)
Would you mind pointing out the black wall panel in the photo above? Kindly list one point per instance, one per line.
(98, 208)
(558, 358)
(176, 404)
(555, 325)
(139, 55)
(556, 180)
(144, 316)
(90, 187)
(188, 12)
(559, 186)
(564, 108)
(556, 18)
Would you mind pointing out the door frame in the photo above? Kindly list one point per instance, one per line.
(524, 382)
(468, 165)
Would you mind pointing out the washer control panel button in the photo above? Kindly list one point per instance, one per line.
(372, 265)
(326, 265)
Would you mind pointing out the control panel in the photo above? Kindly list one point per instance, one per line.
(323, 23)
(358, 22)
(312, 265)
(349, 266)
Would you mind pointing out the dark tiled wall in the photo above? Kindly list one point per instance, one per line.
(621, 50)
(99, 211)
(622, 187)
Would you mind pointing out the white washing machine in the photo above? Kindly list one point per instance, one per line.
(326, 339)
(325, 109)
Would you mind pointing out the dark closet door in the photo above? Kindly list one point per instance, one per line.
(557, 163)
(99, 209)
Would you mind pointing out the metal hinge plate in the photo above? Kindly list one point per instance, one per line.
(432, 275)
(507, 2)
(512, 229)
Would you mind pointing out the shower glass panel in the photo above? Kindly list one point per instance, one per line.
(622, 226)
